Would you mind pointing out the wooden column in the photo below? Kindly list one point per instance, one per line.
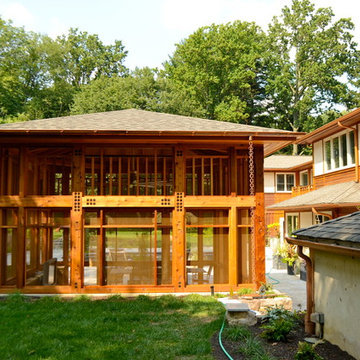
(233, 247)
(259, 217)
(77, 252)
(3, 249)
(178, 273)
(20, 264)
(233, 171)
(178, 246)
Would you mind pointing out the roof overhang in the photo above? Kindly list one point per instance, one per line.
(332, 248)
(272, 141)
(309, 207)
(330, 128)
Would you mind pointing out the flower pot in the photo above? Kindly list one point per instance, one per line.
(291, 269)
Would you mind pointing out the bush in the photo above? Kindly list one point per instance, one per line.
(306, 351)
(236, 333)
(280, 323)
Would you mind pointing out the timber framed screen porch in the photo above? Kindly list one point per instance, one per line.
(132, 201)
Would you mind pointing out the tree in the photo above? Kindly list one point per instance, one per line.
(219, 68)
(80, 57)
(309, 61)
(138, 90)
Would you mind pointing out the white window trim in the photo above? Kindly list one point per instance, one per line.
(348, 152)
(285, 183)
(295, 214)
(308, 176)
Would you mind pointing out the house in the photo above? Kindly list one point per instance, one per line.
(284, 176)
(335, 190)
(333, 279)
(132, 201)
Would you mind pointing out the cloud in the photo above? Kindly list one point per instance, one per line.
(57, 28)
(19, 15)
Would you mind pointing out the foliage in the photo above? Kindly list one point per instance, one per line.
(279, 312)
(277, 329)
(236, 333)
(310, 62)
(279, 324)
(138, 90)
(245, 291)
(39, 76)
(288, 253)
(219, 68)
(145, 328)
(306, 351)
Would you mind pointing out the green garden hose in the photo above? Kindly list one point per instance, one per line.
(220, 342)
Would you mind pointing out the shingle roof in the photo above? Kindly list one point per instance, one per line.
(344, 229)
(134, 120)
(339, 194)
(285, 161)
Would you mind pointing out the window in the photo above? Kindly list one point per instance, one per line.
(284, 182)
(340, 151)
(304, 178)
(292, 223)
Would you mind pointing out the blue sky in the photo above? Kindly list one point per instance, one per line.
(149, 29)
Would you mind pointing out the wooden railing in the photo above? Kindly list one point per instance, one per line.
(299, 190)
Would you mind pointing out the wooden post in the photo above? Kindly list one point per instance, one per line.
(178, 273)
(3, 248)
(76, 218)
(233, 172)
(20, 265)
(178, 261)
(233, 247)
(259, 217)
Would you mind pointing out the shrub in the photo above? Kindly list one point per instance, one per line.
(279, 323)
(278, 329)
(306, 351)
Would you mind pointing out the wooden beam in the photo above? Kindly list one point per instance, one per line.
(128, 201)
(218, 201)
(56, 201)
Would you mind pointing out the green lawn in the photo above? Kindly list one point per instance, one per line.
(146, 328)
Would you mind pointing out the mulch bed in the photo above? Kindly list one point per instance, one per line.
(283, 351)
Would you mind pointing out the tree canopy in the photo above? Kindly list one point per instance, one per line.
(310, 62)
(296, 75)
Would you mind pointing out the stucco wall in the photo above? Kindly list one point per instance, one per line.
(337, 294)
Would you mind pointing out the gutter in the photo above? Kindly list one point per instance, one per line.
(356, 141)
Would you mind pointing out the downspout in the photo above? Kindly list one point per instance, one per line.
(309, 325)
(356, 141)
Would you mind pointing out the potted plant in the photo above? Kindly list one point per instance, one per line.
(288, 255)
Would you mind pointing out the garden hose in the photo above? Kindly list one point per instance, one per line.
(220, 342)
(275, 281)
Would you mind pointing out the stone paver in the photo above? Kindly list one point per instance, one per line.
(290, 285)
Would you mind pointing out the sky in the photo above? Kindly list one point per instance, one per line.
(149, 29)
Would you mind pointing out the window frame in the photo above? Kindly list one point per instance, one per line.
(337, 160)
(285, 174)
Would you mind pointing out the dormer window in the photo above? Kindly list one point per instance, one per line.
(339, 151)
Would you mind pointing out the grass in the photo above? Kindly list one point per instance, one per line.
(249, 345)
(146, 328)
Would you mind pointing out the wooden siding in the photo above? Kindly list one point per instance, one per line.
(335, 177)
